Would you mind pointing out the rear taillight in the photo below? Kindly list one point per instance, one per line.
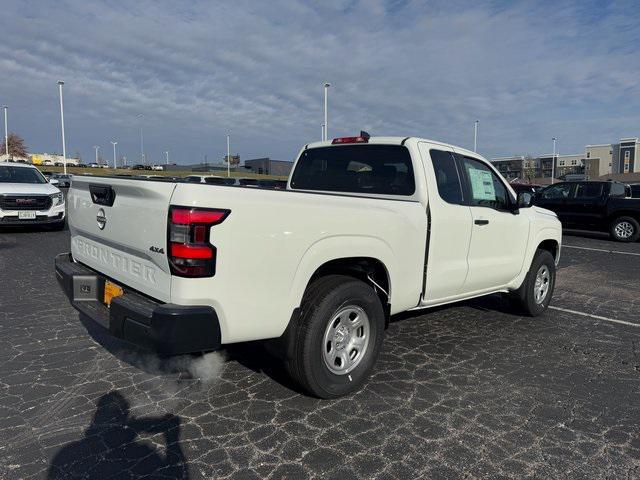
(191, 253)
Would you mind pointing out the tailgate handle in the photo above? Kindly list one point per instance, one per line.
(102, 195)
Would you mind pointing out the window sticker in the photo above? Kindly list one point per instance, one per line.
(482, 184)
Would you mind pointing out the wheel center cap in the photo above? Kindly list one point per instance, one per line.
(341, 336)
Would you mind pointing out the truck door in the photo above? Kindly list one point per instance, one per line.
(586, 205)
(450, 224)
(499, 235)
(554, 198)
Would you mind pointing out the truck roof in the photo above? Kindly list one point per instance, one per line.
(393, 141)
(17, 164)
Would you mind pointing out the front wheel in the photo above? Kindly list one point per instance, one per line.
(337, 338)
(625, 229)
(534, 295)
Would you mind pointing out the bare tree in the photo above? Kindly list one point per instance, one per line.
(17, 148)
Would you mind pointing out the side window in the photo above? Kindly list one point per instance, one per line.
(589, 190)
(447, 176)
(559, 191)
(618, 190)
(487, 190)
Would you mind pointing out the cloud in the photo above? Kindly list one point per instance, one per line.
(527, 70)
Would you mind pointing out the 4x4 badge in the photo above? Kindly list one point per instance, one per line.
(156, 249)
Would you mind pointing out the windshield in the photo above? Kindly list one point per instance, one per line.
(367, 169)
(11, 174)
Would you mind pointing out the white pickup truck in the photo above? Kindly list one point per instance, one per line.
(368, 227)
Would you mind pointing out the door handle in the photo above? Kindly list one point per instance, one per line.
(102, 195)
(481, 222)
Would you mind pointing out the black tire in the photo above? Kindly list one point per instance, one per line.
(625, 229)
(524, 298)
(304, 341)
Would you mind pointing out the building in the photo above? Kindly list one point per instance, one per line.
(510, 167)
(569, 165)
(597, 161)
(268, 166)
(544, 166)
(627, 161)
(603, 156)
(593, 167)
(621, 157)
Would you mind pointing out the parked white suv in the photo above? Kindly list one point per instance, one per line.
(27, 198)
(367, 228)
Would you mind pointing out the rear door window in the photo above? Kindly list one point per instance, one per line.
(589, 190)
(447, 176)
(365, 169)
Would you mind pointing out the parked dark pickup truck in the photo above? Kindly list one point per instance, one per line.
(598, 206)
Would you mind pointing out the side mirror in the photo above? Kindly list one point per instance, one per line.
(525, 199)
(53, 181)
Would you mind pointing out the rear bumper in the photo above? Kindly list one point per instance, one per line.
(164, 328)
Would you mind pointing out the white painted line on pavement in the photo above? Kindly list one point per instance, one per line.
(601, 250)
(597, 317)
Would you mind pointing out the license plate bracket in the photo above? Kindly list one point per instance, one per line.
(111, 291)
(28, 215)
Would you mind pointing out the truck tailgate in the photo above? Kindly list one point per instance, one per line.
(119, 228)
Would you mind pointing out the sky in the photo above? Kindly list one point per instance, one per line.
(527, 71)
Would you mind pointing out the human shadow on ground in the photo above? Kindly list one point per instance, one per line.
(111, 446)
(252, 355)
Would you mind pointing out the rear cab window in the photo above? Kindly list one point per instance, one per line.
(370, 169)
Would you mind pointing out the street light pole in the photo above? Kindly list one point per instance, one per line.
(64, 146)
(322, 130)
(167, 154)
(326, 113)
(228, 156)
(475, 136)
(6, 134)
(114, 153)
(140, 116)
(553, 160)
(97, 148)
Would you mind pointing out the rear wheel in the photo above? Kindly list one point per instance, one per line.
(625, 229)
(534, 295)
(334, 345)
